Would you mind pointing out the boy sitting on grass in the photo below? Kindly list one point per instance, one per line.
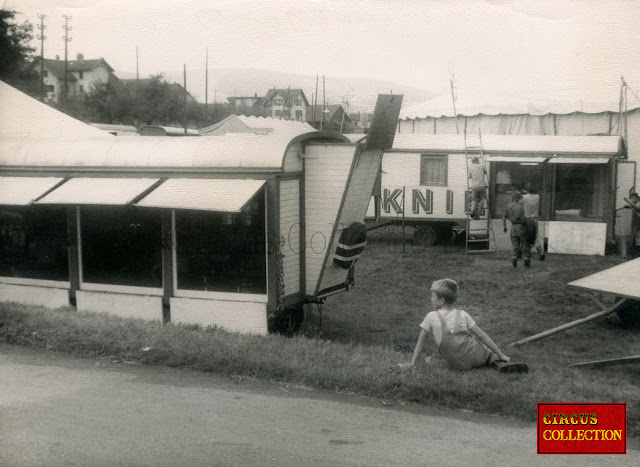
(460, 341)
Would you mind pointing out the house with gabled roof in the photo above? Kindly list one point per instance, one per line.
(331, 117)
(81, 75)
(288, 104)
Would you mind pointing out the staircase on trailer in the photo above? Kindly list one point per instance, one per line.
(479, 229)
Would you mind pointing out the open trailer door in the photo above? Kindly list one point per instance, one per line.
(330, 269)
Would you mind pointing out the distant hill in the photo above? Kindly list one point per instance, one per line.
(228, 82)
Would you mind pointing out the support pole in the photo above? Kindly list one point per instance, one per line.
(66, 38)
(570, 325)
(42, 37)
(403, 198)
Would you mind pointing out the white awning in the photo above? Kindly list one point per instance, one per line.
(529, 160)
(226, 195)
(23, 190)
(104, 191)
(579, 160)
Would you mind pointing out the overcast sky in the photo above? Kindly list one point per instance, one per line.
(562, 47)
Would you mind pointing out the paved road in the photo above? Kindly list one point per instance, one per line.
(58, 410)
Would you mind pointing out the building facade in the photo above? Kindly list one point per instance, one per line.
(81, 75)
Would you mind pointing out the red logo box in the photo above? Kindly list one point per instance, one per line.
(582, 428)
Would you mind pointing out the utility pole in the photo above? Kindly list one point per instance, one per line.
(324, 104)
(67, 39)
(137, 67)
(42, 37)
(206, 84)
(186, 116)
(315, 104)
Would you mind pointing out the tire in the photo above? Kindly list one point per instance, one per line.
(629, 314)
(425, 235)
(288, 322)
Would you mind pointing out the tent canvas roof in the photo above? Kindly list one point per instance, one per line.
(609, 145)
(470, 103)
(23, 117)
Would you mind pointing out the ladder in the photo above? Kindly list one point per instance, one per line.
(479, 231)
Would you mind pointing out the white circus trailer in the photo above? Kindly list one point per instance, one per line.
(236, 231)
(576, 177)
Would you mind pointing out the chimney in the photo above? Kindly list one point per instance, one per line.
(57, 57)
(80, 57)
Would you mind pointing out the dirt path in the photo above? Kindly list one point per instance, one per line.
(60, 410)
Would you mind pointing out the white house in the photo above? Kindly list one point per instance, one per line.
(81, 75)
(287, 104)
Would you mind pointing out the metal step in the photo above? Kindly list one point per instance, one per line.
(489, 250)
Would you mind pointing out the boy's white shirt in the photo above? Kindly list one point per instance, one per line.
(431, 322)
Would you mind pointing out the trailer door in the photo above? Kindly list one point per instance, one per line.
(625, 181)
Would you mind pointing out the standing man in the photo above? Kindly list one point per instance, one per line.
(514, 213)
(634, 205)
(478, 187)
(531, 206)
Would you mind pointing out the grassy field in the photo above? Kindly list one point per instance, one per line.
(360, 337)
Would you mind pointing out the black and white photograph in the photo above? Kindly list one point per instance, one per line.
(319, 232)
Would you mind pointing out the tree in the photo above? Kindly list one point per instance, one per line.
(154, 102)
(16, 55)
(108, 103)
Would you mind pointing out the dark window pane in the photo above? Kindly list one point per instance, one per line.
(580, 190)
(222, 252)
(512, 176)
(121, 246)
(33, 242)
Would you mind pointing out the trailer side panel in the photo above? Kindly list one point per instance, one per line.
(327, 169)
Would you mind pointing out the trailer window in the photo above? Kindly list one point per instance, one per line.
(121, 246)
(221, 251)
(580, 191)
(33, 242)
(433, 170)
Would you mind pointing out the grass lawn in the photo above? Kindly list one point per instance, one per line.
(367, 332)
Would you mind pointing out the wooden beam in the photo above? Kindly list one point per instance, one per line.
(73, 213)
(167, 263)
(608, 362)
(570, 325)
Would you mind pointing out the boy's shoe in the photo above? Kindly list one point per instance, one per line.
(542, 257)
(527, 263)
(508, 367)
(514, 262)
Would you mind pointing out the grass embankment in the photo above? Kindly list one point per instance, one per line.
(367, 332)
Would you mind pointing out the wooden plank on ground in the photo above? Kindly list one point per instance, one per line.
(608, 362)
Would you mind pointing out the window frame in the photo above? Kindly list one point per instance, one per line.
(582, 217)
(35, 281)
(432, 157)
(102, 287)
(212, 294)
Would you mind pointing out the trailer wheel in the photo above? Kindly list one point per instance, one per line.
(425, 235)
(629, 314)
(288, 322)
